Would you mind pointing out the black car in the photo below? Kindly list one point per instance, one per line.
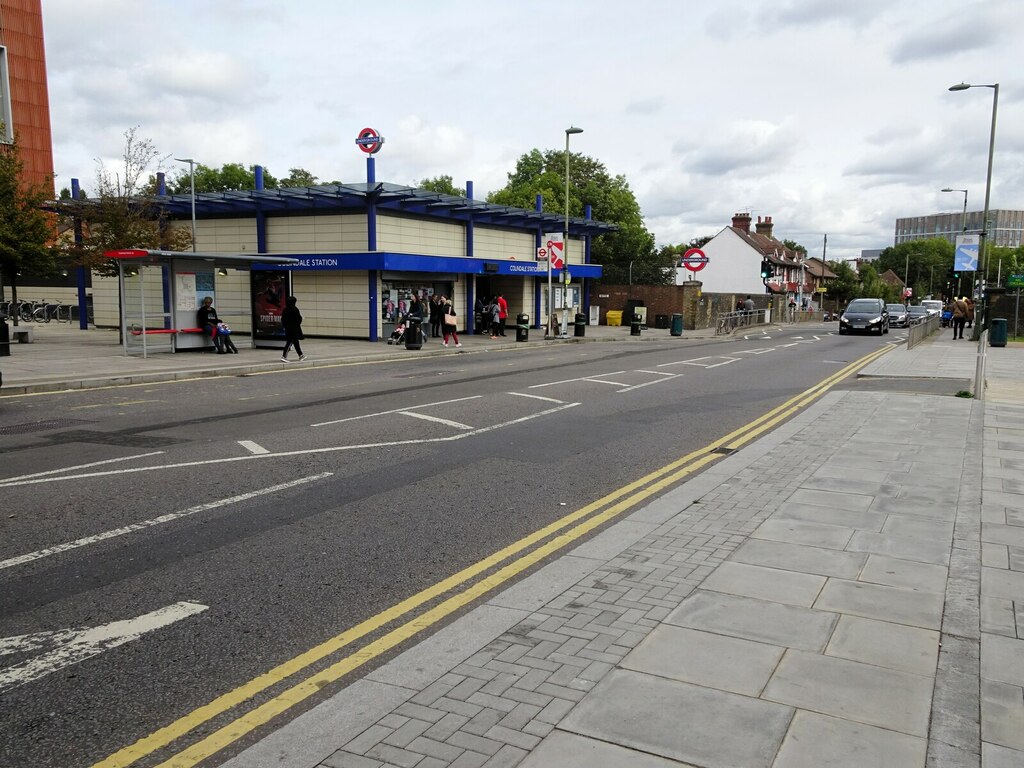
(868, 315)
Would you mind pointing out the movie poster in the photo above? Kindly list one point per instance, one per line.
(269, 290)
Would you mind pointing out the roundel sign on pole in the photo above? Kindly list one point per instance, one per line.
(369, 141)
(694, 260)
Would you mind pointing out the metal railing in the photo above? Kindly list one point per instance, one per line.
(922, 329)
(728, 322)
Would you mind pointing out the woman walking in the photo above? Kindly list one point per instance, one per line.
(495, 318)
(291, 321)
(447, 313)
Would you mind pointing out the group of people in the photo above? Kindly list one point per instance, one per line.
(962, 315)
(441, 314)
(220, 333)
(493, 314)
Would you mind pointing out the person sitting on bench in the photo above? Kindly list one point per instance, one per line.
(206, 318)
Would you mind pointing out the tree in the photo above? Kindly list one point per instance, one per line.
(25, 230)
(795, 246)
(442, 184)
(612, 201)
(297, 177)
(123, 214)
(846, 284)
(229, 177)
(925, 262)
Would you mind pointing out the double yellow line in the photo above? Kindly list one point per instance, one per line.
(582, 521)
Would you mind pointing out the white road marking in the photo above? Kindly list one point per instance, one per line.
(81, 466)
(76, 645)
(285, 454)
(603, 381)
(697, 361)
(657, 373)
(436, 419)
(755, 351)
(537, 397)
(570, 381)
(396, 410)
(252, 447)
(648, 383)
(113, 533)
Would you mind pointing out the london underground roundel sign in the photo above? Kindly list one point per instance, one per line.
(369, 141)
(694, 260)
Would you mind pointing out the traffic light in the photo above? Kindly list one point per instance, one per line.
(766, 269)
(956, 274)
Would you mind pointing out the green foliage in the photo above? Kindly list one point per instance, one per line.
(1005, 261)
(25, 230)
(611, 200)
(795, 246)
(229, 177)
(443, 185)
(297, 177)
(926, 261)
(846, 285)
(122, 215)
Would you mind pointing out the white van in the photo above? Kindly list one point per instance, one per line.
(932, 305)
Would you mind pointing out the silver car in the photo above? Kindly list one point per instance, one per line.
(898, 317)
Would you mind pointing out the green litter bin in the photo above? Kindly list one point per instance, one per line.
(677, 325)
(997, 332)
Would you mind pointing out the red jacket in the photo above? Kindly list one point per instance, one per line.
(502, 308)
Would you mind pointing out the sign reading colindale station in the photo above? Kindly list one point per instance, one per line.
(369, 141)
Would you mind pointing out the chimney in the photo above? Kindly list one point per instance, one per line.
(741, 221)
(764, 227)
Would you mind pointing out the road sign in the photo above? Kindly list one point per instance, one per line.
(542, 254)
(1015, 281)
(694, 260)
(556, 248)
(369, 141)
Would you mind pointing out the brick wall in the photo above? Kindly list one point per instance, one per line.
(699, 309)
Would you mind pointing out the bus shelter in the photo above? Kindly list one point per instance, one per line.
(161, 291)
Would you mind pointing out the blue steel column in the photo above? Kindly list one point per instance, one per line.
(470, 277)
(83, 309)
(588, 215)
(371, 245)
(165, 271)
(538, 283)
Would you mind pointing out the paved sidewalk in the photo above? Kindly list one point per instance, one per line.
(846, 591)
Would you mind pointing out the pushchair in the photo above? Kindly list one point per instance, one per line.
(403, 327)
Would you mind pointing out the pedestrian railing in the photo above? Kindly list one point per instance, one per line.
(729, 321)
(921, 330)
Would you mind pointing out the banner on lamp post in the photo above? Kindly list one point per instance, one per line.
(555, 246)
(965, 257)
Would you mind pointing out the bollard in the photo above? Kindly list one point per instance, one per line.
(5, 338)
(634, 326)
(522, 327)
(580, 325)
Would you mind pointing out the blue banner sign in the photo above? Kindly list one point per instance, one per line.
(965, 257)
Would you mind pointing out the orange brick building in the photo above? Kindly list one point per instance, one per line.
(24, 100)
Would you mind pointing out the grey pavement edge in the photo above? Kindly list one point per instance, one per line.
(863, 606)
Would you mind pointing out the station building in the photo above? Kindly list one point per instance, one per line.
(364, 249)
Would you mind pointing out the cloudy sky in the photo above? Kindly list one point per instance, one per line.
(832, 117)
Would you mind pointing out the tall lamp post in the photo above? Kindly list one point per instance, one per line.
(963, 220)
(565, 239)
(192, 184)
(979, 318)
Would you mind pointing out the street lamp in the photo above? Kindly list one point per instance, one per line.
(565, 240)
(192, 184)
(979, 318)
(964, 221)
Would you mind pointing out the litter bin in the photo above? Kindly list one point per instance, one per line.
(614, 317)
(5, 338)
(580, 329)
(677, 324)
(522, 327)
(661, 322)
(414, 334)
(634, 325)
(997, 332)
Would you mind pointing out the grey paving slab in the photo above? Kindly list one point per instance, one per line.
(553, 579)
(862, 521)
(704, 658)
(854, 464)
(995, 556)
(885, 644)
(841, 501)
(1011, 535)
(427, 661)
(905, 547)
(896, 572)
(820, 741)
(794, 531)
(878, 601)
(997, 617)
(838, 469)
(800, 557)
(996, 582)
(926, 475)
(854, 691)
(613, 541)
(995, 756)
(315, 735)
(759, 620)
(569, 750)
(918, 507)
(1002, 714)
(856, 485)
(764, 583)
(919, 527)
(1002, 659)
(722, 730)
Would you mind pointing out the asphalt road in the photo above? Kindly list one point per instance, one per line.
(209, 531)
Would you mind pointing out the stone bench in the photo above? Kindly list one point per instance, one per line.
(23, 333)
